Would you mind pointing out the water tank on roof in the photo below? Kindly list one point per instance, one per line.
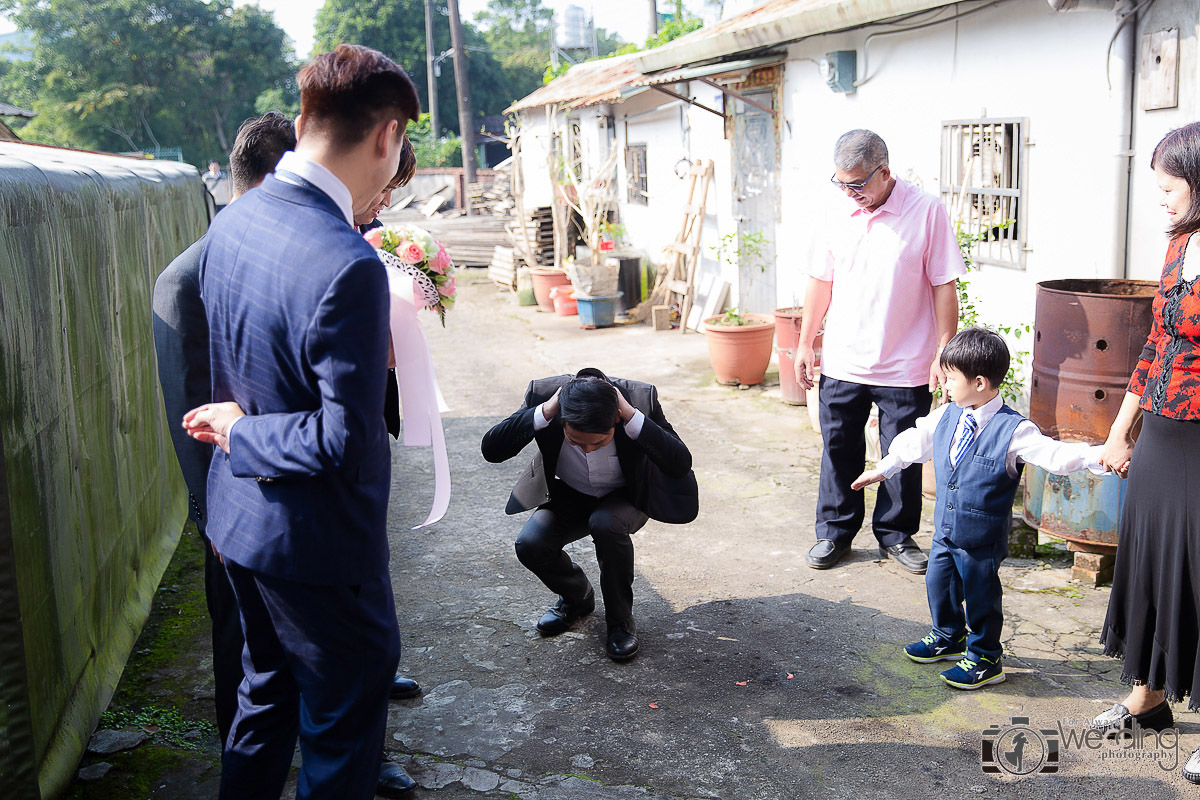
(573, 30)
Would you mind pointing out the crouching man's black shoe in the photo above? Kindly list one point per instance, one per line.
(563, 615)
(622, 643)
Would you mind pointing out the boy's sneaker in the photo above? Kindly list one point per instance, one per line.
(934, 648)
(971, 674)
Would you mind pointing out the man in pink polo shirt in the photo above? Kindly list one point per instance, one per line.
(888, 285)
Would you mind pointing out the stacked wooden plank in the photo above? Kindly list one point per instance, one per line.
(503, 269)
(493, 198)
(470, 240)
(534, 242)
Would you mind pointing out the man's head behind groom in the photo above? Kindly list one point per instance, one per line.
(355, 104)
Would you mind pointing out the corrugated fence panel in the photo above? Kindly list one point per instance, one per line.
(95, 499)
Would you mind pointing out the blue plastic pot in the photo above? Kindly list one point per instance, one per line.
(597, 312)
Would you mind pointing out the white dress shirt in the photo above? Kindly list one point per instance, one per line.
(596, 473)
(1028, 445)
(320, 177)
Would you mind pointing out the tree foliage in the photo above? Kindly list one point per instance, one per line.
(434, 151)
(396, 28)
(125, 75)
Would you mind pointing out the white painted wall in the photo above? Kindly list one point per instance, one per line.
(535, 149)
(1019, 59)
(674, 131)
(1148, 241)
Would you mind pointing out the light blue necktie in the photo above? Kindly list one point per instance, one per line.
(968, 439)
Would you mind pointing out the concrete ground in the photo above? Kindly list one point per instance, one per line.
(758, 678)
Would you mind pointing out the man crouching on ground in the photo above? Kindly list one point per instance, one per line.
(607, 461)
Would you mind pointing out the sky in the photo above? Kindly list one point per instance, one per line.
(625, 17)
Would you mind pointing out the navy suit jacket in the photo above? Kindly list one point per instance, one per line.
(297, 308)
(181, 342)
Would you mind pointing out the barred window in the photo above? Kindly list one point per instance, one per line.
(635, 173)
(982, 186)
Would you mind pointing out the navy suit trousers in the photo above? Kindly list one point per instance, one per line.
(318, 664)
(970, 578)
(844, 410)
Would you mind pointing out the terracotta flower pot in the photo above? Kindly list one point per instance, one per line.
(545, 279)
(787, 336)
(740, 353)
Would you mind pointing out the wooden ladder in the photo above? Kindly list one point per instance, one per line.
(676, 282)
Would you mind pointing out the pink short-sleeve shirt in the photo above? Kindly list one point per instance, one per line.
(881, 329)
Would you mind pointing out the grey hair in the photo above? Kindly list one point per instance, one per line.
(859, 148)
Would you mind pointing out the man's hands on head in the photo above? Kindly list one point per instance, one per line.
(210, 423)
(550, 407)
(624, 407)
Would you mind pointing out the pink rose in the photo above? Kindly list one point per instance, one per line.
(447, 289)
(374, 238)
(441, 261)
(410, 253)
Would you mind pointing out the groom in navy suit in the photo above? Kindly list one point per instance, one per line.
(297, 306)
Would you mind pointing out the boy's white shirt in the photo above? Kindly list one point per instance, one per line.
(1028, 445)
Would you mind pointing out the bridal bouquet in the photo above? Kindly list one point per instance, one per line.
(414, 252)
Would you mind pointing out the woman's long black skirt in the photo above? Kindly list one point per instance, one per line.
(1154, 607)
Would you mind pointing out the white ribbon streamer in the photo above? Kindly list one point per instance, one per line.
(421, 398)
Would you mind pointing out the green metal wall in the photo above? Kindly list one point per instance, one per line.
(91, 499)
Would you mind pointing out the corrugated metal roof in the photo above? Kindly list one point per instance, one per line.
(595, 82)
(772, 23)
(13, 111)
(766, 25)
(584, 84)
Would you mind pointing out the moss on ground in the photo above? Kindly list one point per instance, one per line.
(166, 690)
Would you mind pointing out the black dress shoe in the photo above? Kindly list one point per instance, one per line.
(393, 781)
(403, 687)
(1118, 720)
(563, 615)
(825, 553)
(622, 643)
(907, 555)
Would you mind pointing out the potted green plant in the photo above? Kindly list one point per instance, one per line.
(739, 346)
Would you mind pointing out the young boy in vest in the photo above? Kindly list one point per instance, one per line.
(978, 446)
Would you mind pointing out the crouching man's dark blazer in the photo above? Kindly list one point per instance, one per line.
(657, 465)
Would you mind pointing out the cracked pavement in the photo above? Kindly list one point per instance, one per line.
(757, 677)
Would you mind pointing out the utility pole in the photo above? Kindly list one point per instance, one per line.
(466, 127)
(652, 30)
(432, 94)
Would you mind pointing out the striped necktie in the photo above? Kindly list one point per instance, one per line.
(968, 439)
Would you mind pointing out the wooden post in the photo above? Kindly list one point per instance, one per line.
(466, 125)
(432, 96)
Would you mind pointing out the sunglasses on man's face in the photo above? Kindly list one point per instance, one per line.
(855, 187)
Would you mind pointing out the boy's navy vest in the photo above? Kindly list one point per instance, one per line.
(975, 498)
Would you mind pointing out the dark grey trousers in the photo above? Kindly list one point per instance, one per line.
(570, 516)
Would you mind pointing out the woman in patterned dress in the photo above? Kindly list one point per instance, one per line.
(1154, 608)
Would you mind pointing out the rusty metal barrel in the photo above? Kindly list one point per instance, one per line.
(1088, 335)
